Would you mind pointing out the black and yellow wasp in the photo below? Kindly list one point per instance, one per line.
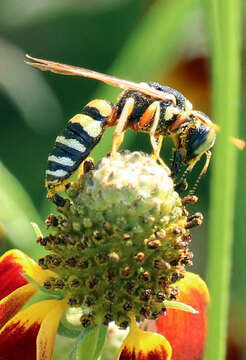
(146, 107)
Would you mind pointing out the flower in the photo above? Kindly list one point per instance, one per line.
(185, 331)
(117, 251)
(30, 333)
(144, 345)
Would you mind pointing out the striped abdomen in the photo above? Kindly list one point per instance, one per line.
(81, 134)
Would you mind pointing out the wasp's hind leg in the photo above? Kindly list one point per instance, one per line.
(85, 167)
(121, 125)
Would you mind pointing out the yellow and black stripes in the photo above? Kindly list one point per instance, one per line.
(81, 134)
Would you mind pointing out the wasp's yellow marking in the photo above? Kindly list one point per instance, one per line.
(72, 143)
(61, 160)
(102, 106)
(170, 112)
(57, 173)
(91, 126)
(56, 186)
(188, 105)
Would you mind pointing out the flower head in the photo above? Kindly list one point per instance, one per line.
(117, 251)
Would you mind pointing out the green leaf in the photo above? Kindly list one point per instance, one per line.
(49, 293)
(38, 297)
(89, 344)
(16, 213)
(36, 102)
(84, 342)
(102, 332)
(68, 331)
(179, 306)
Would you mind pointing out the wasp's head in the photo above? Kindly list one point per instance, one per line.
(194, 137)
(199, 136)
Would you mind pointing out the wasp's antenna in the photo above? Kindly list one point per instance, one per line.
(205, 120)
(239, 143)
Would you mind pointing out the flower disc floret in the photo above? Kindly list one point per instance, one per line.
(120, 242)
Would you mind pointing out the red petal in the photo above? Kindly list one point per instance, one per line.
(185, 331)
(18, 337)
(19, 342)
(12, 264)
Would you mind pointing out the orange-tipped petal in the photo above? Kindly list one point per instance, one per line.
(143, 345)
(185, 331)
(18, 337)
(11, 304)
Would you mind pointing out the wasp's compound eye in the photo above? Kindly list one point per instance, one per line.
(199, 140)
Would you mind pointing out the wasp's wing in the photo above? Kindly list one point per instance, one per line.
(64, 69)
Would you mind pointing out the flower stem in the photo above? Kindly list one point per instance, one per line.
(225, 27)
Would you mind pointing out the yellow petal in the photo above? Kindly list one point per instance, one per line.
(11, 304)
(47, 333)
(143, 345)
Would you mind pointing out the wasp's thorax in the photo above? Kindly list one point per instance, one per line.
(169, 109)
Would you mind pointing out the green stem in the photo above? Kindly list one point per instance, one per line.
(225, 28)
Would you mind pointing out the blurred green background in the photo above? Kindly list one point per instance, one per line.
(127, 38)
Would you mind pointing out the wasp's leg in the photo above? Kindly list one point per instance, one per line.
(176, 163)
(85, 167)
(183, 185)
(159, 143)
(153, 110)
(121, 125)
(203, 172)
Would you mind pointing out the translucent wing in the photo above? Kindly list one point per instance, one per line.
(64, 69)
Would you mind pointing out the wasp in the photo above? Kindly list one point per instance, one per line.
(151, 108)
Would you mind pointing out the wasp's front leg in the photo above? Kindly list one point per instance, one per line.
(183, 184)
